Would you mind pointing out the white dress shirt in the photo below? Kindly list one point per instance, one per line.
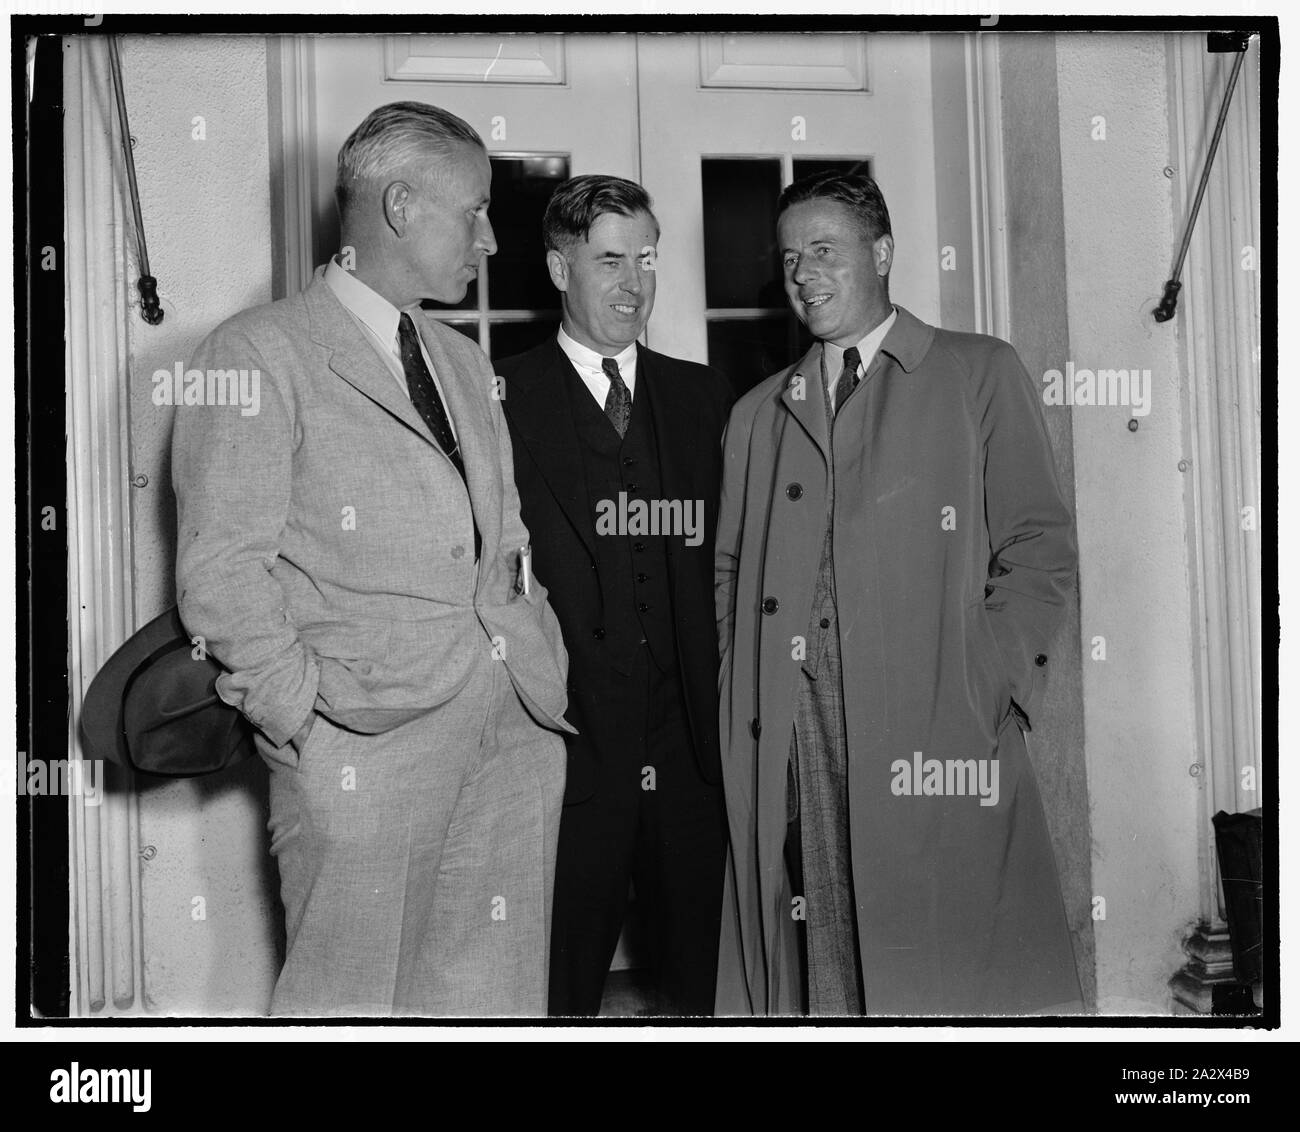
(833, 355)
(378, 320)
(587, 362)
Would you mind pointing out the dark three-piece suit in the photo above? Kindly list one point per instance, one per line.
(643, 801)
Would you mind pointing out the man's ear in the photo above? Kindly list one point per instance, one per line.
(882, 255)
(557, 267)
(397, 206)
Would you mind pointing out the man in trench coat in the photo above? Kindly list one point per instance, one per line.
(893, 558)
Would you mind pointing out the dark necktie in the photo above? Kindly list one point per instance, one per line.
(847, 382)
(424, 396)
(424, 393)
(618, 402)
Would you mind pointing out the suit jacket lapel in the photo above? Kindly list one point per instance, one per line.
(474, 431)
(674, 427)
(540, 407)
(353, 358)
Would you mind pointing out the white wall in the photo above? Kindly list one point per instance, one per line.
(1139, 704)
(206, 207)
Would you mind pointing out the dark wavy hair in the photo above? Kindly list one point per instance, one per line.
(856, 190)
(578, 203)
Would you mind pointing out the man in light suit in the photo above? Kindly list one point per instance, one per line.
(351, 553)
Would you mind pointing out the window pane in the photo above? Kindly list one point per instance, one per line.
(748, 350)
(509, 338)
(741, 268)
(805, 166)
(521, 189)
(469, 329)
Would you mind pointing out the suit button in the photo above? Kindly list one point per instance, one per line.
(628, 461)
(641, 607)
(794, 491)
(458, 552)
(640, 577)
(770, 605)
(755, 728)
(631, 487)
(638, 547)
(599, 634)
(1040, 659)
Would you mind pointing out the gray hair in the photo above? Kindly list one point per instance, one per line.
(392, 136)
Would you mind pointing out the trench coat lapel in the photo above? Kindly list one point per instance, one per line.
(804, 398)
(540, 411)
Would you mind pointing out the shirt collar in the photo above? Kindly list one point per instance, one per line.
(867, 348)
(586, 358)
(369, 306)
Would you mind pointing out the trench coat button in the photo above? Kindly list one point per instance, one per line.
(825, 622)
(770, 605)
(638, 547)
(641, 577)
(598, 633)
(641, 607)
(755, 728)
(631, 487)
(628, 461)
(1040, 659)
(794, 491)
(458, 552)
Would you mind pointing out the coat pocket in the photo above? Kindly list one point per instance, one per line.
(989, 655)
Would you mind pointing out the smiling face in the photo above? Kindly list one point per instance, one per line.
(446, 224)
(837, 280)
(608, 282)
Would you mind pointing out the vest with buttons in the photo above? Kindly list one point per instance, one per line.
(633, 569)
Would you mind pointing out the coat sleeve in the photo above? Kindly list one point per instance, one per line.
(231, 472)
(1033, 556)
(726, 558)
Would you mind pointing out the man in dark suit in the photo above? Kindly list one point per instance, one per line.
(617, 459)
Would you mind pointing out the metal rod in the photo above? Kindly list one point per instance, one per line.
(150, 308)
(1169, 302)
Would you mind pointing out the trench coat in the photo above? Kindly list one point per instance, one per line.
(954, 558)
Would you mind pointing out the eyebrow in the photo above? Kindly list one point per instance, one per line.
(811, 244)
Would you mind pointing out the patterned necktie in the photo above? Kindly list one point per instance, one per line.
(424, 396)
(618, 402)
(848, 379)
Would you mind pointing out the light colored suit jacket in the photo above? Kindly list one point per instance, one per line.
(325, 543)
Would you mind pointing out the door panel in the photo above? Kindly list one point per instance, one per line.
(785, 97)
(548, 107)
